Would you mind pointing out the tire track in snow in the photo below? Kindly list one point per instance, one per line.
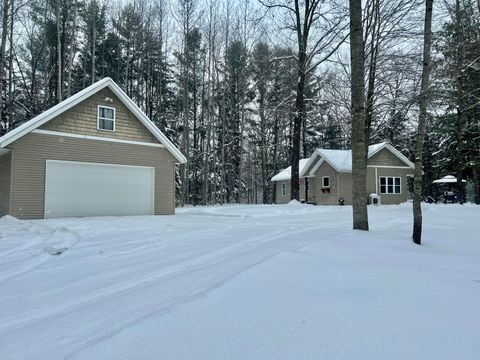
(215, 284)
(165, 274)
(203, 291)
(131, 285)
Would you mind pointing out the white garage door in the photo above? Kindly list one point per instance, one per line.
(89, 189)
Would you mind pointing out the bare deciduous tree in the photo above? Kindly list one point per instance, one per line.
(359, 147)
(422, 121)
(319, 33)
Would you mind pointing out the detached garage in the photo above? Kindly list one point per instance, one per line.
(93, 154)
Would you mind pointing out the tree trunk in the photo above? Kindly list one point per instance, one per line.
(10, 63)
(209, 117)
(372, 74)
(94, 36)
(276, 140)
(476, 183)
(263, 143)
(422, 124)
(359, 147)
(59, 54)
(460, 125)
(302, 39)
(2, 56)
(297, 129)
(72, 55)
(186, 105)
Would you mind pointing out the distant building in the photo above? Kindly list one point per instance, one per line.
(326, 176)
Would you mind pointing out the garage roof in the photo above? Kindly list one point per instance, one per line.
(63, 106)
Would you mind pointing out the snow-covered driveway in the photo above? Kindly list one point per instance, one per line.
(243, 282)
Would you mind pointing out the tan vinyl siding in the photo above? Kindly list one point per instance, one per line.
(82, 119)
(371, 185)
(386, 158)
(345, 185)
(394, 198)
(279, 199)
(5, 166)
(32, 151)
(387, 199)
(330, 195)
(311, 189)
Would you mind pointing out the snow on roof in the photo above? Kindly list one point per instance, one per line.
(372, 149)
(75, 99)
(341, 160)
(447, 179)
(286, 173)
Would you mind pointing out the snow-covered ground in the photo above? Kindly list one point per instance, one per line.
(243, 282)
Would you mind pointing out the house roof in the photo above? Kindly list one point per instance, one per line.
(73, 100)
(341, 160)
(285, 174)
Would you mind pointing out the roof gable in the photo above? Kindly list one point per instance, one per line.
(82, 119)
(341, 160)
(76, 99)
(385, 157)
(374, 149)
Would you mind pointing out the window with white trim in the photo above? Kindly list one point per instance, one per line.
(326, 181)
(106, 118)
(284, 189)
(390, 184)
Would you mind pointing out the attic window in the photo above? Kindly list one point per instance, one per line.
(106, 118)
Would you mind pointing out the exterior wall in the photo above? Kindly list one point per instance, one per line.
(31, 152)
(345, 187)
(390, 198)
(328, 196)
(385, 157)
(5, 166)
(311, 190)
(345, 180)
(82, 119)
(371, 182)
(279, 199)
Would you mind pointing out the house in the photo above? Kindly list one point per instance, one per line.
(282, 183)
(94, 154)
(327, 175)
